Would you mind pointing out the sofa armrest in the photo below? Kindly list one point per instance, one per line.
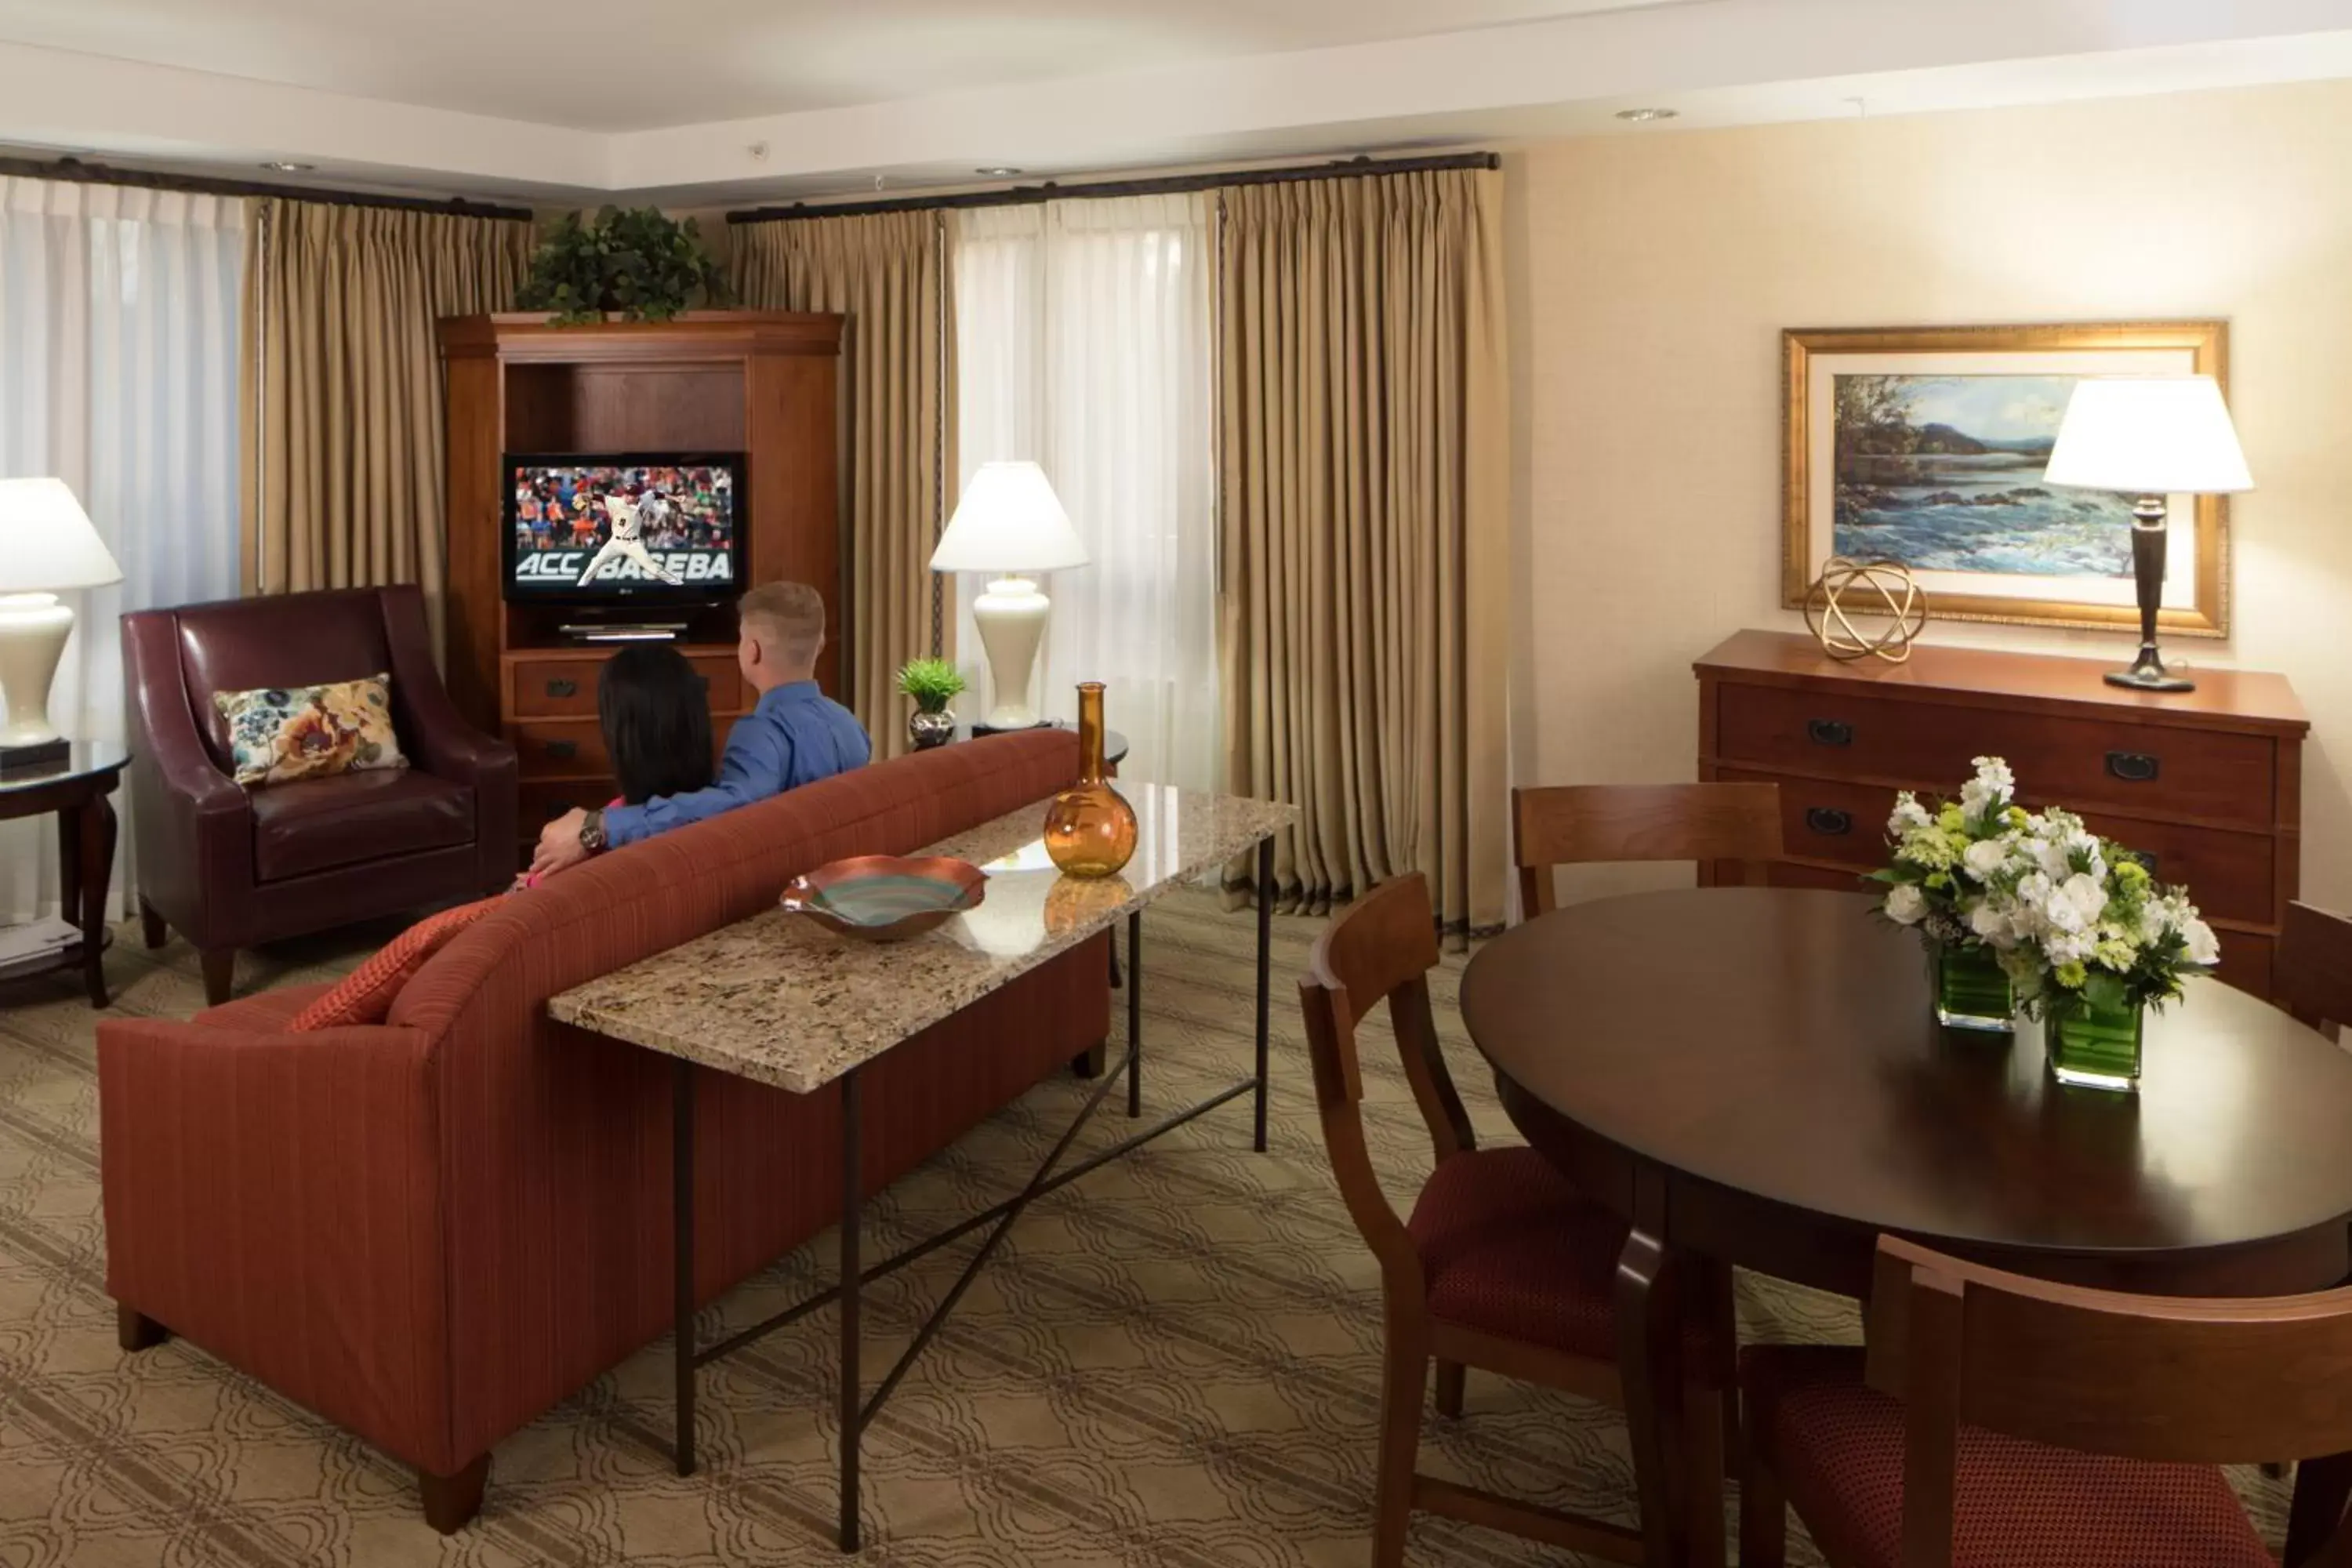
(192, 823)
(276, 1199)
(445, 745)
(443, 742)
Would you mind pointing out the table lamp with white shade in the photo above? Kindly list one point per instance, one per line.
(47, 547)
(2150, 436)
(1011, 525)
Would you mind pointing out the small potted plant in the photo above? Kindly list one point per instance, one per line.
(638, 265)
(1938, 879)
(933, 684)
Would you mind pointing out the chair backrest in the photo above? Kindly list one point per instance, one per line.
(1379, 949)
(1569, 825)
(2172, 1379)
(2312, 977)
(286, 639)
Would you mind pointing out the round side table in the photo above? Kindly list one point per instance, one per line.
(1114, 743)
(76, 790)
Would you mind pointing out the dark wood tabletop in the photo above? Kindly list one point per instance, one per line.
(1768, 1056)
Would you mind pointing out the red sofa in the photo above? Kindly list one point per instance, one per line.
(430, 1230)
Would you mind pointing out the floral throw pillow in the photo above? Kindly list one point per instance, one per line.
(281, 733)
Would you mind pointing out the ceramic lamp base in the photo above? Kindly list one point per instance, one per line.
(33, 632)
(1011, 615)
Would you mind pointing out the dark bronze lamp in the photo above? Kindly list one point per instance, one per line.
(2152, 436)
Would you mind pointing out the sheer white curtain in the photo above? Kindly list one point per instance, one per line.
(119, 313)
(1082, 335)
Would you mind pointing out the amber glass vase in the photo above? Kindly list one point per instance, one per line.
(1089, 827)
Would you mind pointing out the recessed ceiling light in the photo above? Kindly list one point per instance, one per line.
(1644, 116)
(281, 167)
(998, 172)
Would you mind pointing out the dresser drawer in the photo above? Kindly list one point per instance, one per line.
(2230, 874)
(558, 748)
(2084, 762)
(564, 686)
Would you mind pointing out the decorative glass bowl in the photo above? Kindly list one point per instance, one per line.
(885, 898)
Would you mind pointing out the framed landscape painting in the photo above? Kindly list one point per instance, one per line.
(1926, 445)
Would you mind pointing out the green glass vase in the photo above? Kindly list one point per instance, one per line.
(2093, 1047)
(1972, 991)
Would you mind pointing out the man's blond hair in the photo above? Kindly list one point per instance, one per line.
(786, 618)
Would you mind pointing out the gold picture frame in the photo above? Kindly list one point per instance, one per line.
(1984, 553)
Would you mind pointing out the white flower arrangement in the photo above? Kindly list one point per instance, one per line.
(2073, 918)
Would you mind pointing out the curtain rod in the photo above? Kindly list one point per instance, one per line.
(78, 171)
(1169, 185)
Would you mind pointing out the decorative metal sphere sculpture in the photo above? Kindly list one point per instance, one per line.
(1830, 614)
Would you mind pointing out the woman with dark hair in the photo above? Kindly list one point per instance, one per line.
(655, 714)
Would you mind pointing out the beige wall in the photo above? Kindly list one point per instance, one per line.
(1653, 274)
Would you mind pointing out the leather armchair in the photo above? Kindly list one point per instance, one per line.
(230, 868)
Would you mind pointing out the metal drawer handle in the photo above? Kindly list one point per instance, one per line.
(1828, 820)
(564, 688)
(2132, 767)
(563, 751)
(1829, 731)
(2147, 861)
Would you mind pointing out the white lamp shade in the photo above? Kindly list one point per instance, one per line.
(2149, 435)
(46, 542)
(1009, 520)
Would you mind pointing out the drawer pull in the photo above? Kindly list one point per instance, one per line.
(2147, 861)
(1829, 731)
(563, 751)
(1828, 820)
(2132, 767)
(564, 688)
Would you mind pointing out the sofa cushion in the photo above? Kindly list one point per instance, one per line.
(277, 734)
(365, 995)
(318, 825)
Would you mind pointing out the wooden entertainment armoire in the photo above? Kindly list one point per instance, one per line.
(761, 383)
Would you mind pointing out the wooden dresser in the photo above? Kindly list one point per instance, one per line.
(2207, 786)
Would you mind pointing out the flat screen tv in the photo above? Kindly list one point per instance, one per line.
(646, 530)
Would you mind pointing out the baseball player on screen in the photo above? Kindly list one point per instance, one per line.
(626, 543)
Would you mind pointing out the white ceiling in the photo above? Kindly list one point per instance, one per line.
(692, 102)
(631, 64)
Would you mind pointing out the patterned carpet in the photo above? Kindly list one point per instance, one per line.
(1173, 1361)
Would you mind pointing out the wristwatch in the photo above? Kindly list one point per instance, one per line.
(592, 830)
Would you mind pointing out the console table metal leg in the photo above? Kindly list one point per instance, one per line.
(1264, 969)
(852, 1389)
(681, 1191)
(1135, 1015)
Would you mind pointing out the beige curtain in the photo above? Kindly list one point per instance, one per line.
(887, 273)
(342, 412)
(1364, 487)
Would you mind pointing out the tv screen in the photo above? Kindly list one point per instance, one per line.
(640, 527)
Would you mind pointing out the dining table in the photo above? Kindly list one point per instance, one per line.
(1754, 1078)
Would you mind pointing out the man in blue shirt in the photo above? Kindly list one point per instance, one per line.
(795, 735)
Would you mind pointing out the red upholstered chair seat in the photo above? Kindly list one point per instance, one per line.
(316, 825)
(1837, 1446)
(1511, 1249)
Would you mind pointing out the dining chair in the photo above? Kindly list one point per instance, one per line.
(1570, 825)
(2312, 977)
(1996, 1419)
(1501, 1265)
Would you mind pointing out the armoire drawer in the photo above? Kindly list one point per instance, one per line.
(558, 748)
(2230, 874)
(564, 686)
(2083, 762)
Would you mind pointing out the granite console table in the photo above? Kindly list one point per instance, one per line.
(778, 1000)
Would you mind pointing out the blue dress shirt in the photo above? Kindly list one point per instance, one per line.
(795, 736)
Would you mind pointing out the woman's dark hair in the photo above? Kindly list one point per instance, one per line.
(655, 711)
